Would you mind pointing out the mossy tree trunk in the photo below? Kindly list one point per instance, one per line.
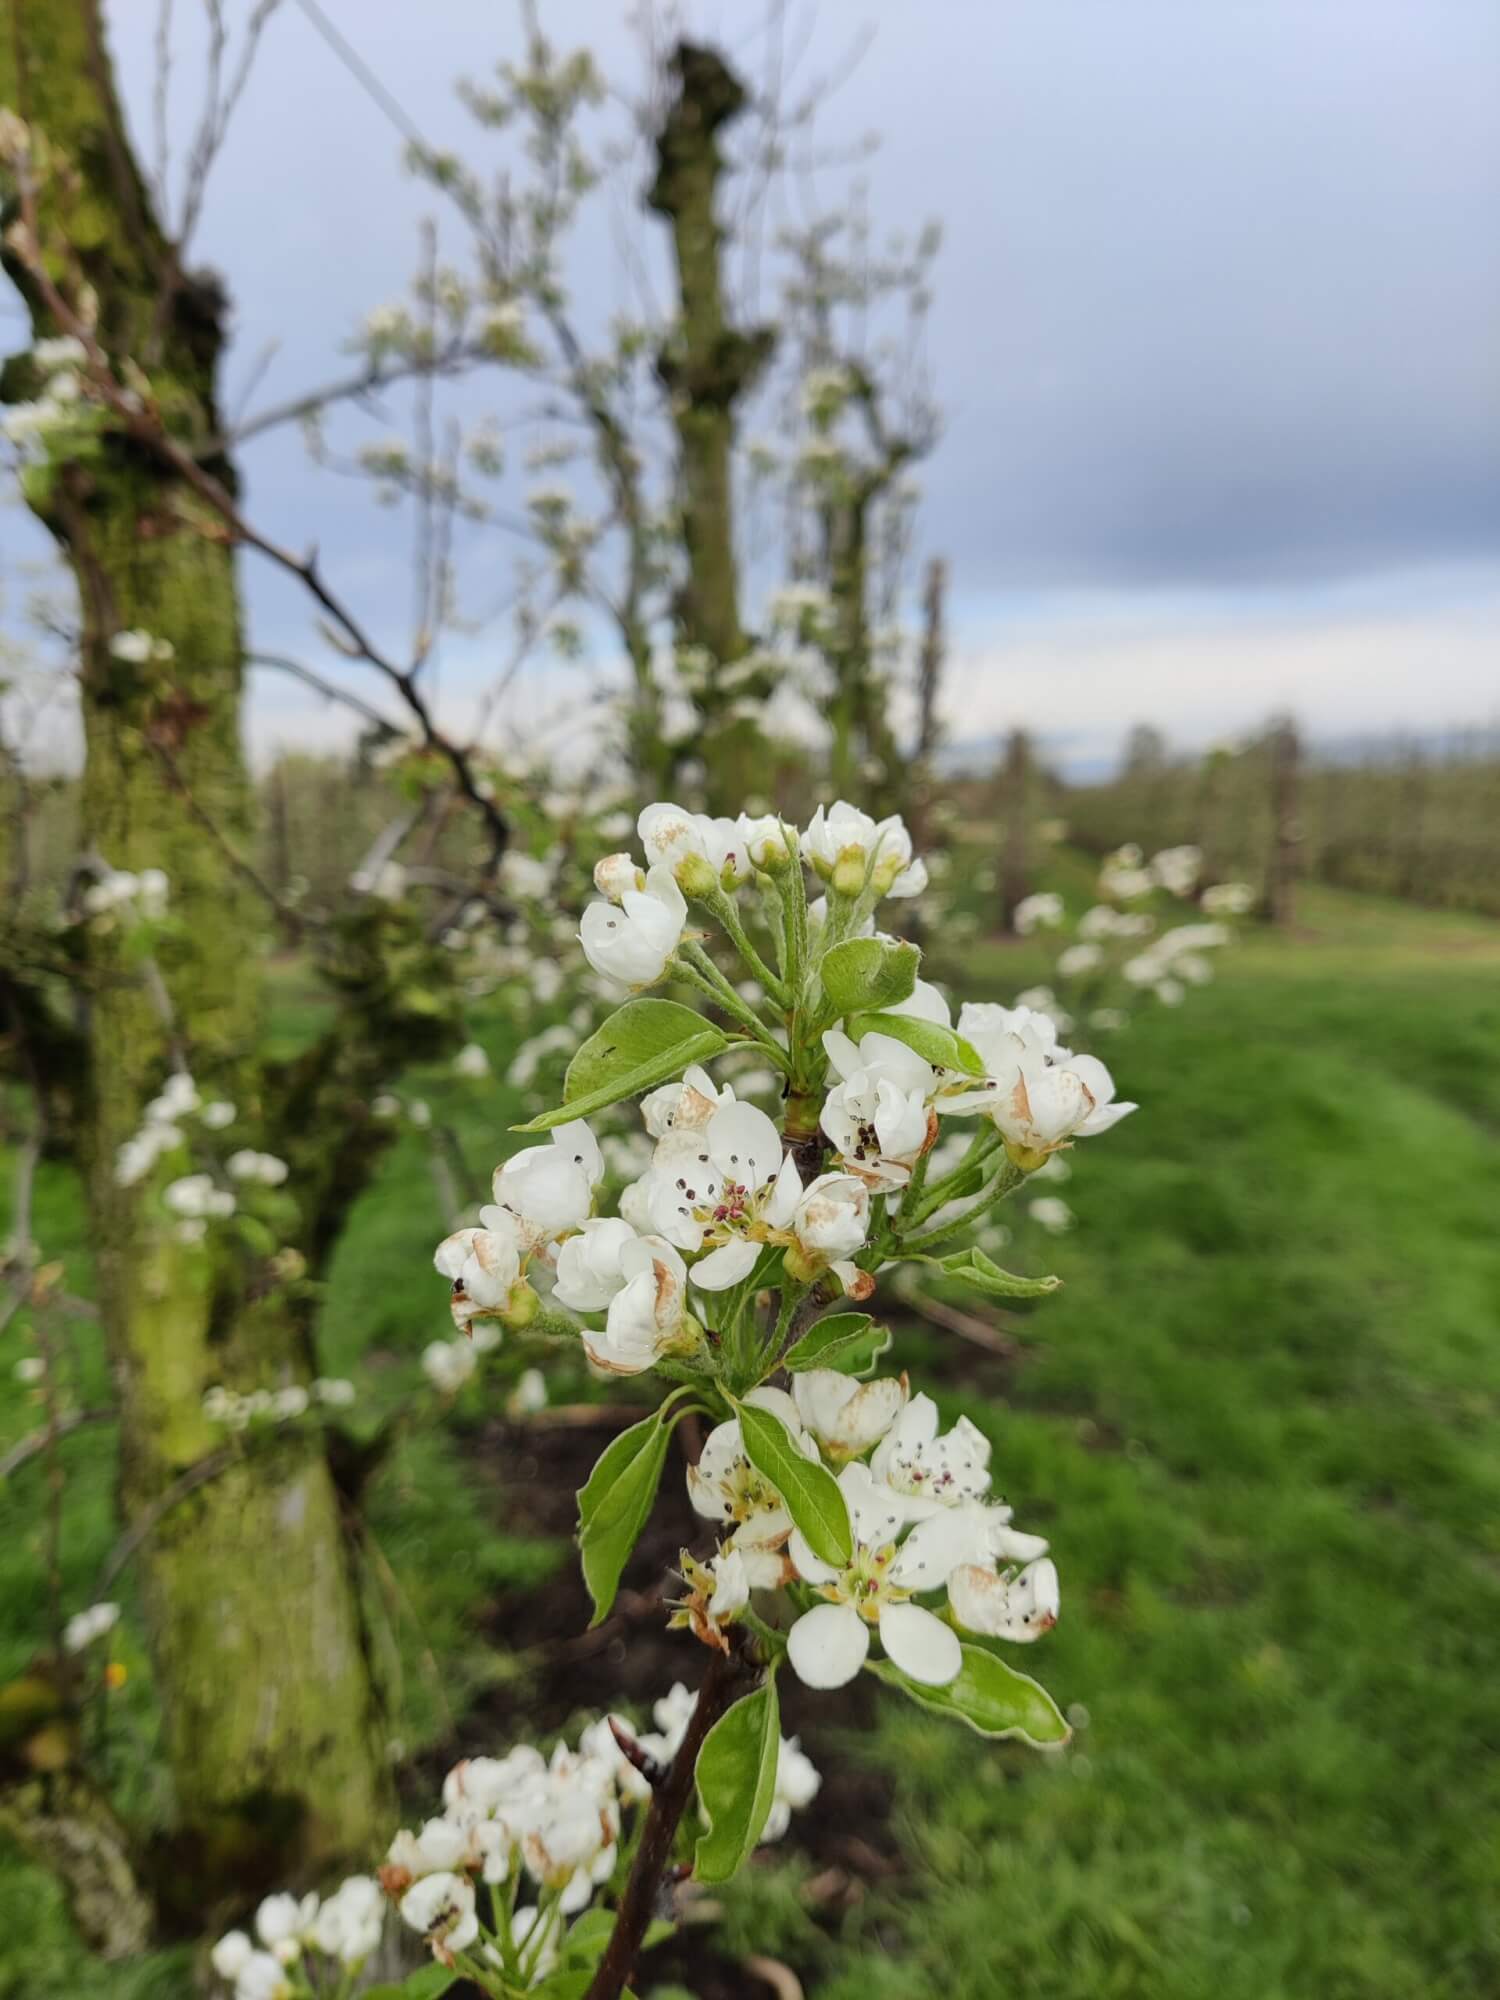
(706, 367)
(270, 1721)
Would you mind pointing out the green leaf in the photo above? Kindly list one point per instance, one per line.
(932, 1042)
(989, 1696)
(642, 1044)
(850, 1342)
(427, 1983)
(737, 1782)
(985, 1275)
(862, 973)
(809, 1489)
(615, 1502)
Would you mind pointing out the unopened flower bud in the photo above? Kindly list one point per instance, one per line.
(522, 1306)
(615, 874)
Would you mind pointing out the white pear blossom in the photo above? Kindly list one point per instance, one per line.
(283, 1922)
(844, 1415)
(880, 850)
(1040, 912)
(725, 1185)
(1052, 1213)
(615, 875)
(686, 1106)
(1079, 959)
(640, 1282)
(725, 1487)
(448, 1364)
(218, 1114)
(349, 1923)
(797, 1785)
(231, 1954)
(1037, 1093)
(247, 1165)
(441, 1907)
(195, 1196)
(1003, 1604)
(1102, 921)
(764, 836)
(1176, 869)
(471, 1062)
(929, 1470)
(1122, 878)
(1228, 899)
(828, 1645)
(589, 1264)
(483, 1265)
(524, 876)
(262, 1977)
(673, 836)
(631, 943)
(878, 1114)
(84, 1627)
(830, 1225)
(548, 1189)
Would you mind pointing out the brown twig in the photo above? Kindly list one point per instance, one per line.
(968, 1326)
(724, 1680)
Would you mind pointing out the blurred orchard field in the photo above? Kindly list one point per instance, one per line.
(961, 1455)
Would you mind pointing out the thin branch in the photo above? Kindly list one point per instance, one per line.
(150, 1519)
(36, 1442)
(330, 690)
(144, 425)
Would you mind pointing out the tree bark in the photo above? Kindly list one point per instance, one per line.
(707, 365)
(270, 1724)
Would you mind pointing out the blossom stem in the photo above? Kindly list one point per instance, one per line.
(723, 908)
(984, 1143)
(695, 966)
(722, 1683)
(1003, 1183)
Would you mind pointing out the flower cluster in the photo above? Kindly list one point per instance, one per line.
(541, 1837)
(922, 1522)
(851, 1528)
(303, 1945)
(142, 895)
(275, 1406)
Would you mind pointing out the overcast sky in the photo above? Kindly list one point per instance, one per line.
(1216, 334)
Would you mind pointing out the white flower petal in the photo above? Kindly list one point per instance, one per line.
(922, 1646)
(828, 1645)
(725, 1266)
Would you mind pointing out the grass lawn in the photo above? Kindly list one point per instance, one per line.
(1261, 1424)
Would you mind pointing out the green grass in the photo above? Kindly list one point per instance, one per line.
(1261, 1424)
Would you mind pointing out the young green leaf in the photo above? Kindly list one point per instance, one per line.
(932, 1041)
(428, 1982)
(614, 1504)
(989, 1696)
(642, 1044)
(809, 1489)
(737, 1782)
(985, 1275)
(850, 1342)
(862, 973)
